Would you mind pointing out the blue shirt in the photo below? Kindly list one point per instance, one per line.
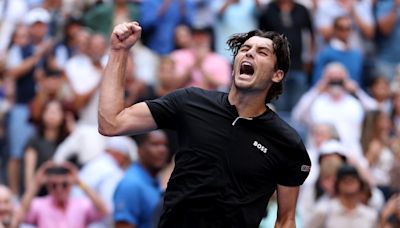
(136, 197)
(351, 59)
(160, 29)
(388, 49)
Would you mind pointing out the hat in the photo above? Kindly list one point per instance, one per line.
(123, 145)
(37, 15)
(347, 170)
(332, 147)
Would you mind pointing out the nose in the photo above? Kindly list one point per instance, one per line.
(250, 53)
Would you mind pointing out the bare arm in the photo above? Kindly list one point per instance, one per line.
(387, 23)
(287, 199)
(114, 119)
(30, 159)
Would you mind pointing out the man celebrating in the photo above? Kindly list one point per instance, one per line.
(234, 151)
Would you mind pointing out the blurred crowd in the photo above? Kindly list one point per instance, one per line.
(342, 94)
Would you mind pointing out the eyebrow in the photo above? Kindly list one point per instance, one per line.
(258, 47)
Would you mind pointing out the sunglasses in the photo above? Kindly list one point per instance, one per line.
(62, 185)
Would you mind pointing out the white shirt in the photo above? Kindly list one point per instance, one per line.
(345, 114)
(84, 77)
(85, 142)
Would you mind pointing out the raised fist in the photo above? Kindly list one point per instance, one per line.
(125, 35)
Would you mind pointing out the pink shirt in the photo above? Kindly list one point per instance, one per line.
(78, 214)
(213, 64)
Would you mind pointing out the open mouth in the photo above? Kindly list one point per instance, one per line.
(246, 68)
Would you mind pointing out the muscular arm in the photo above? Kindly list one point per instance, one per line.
(114, 119)
(287, 198)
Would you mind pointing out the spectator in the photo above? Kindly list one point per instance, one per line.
(232, 16)
(159, 20)
(42, 146)
(23, 61)
(361, 16)
(390, 215)
(7, 210)
(59, 209)
(388, 24)
(395, 113)
(199, 66)
(375, 142)
(183, 37)
(84, 74)
(293, 20)
(339, 50)
(322, 103)
(381, 93)
(103, 17)
(11, 16)
(139, 192)
(345, 209)
(103, 173)
(69, 44)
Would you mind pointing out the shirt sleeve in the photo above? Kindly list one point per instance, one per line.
(127, 205)
(92, 214)
(296, 167)
(167, 110)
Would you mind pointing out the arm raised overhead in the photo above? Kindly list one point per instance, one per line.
(114, 118)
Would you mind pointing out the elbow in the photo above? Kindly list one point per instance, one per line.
(106, 128)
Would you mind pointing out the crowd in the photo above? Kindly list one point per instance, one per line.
(342, 94)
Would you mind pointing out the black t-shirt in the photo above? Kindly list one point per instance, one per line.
(292, 25)
(226, 167)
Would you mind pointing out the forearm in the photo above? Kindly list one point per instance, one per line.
(285, 223)
(24, 67)
(112, 91)
(97, 202)
(387, 23)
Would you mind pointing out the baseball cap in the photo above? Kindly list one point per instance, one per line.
(332, 147)
(123, 145)
(37, 15)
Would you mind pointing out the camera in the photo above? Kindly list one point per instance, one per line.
(337, 82)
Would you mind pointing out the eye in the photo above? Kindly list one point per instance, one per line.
(243, 49)
(263, 53)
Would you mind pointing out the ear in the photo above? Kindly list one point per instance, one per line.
(278, 76)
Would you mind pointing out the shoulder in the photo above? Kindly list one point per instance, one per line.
(284, 130)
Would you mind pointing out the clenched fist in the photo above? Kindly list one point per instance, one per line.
(125, 35)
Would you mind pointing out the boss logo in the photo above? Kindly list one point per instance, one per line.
(260, 147)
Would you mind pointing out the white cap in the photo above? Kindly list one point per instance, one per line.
(37, 15)
(332, 147)
(123, 145)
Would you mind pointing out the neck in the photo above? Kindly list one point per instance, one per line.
(349, 201)
(51, 134)
(285, 5)
(248, 104)
(153, 172)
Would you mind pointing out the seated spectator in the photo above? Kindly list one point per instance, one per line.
(339, 50)
(7, 210)
(345, 210)
(199, 65)
(59, 209)
(42, 146)
(139, 192)
(390, 215)
(103, 173)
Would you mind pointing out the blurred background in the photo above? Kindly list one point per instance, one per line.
(342, 94)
